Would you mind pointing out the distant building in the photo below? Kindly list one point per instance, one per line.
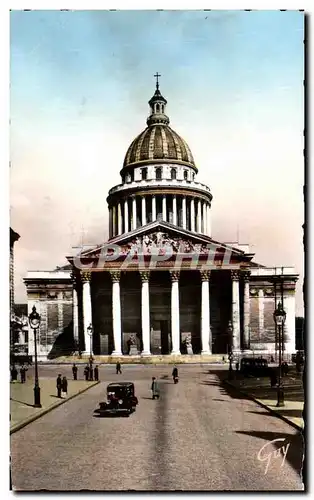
(165, 281)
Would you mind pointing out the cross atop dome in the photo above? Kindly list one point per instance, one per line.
(157, 83)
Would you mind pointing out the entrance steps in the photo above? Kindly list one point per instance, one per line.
(147, 360)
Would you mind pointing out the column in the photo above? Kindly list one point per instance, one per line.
(175, 312)
(289, 326)
(114, 221)
(235, 311)
(116, 313)
(154, 215)
(260, 313)
(87, 307)
(174, 210)
(75, 313)
(164, 208)
(192, 214)
(199, 216)
(205, 315)
(204, 217)
(144, 221)
(110, 223)
(145, 314)
(119, 219)
(209, 231)
(134, 215)
(184, 212)
(246, 311)
(126, 216)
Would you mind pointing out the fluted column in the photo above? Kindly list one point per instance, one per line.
(75, 311)
(235, 310)
(192, 214)
(119, 219)
(116, 313)
(87, 307)
(110, 222)
(154, 211)
(205, 315)
(126, 216)
(204, 217)
(246, 311)
(260, 313)
(144, 221)
(134, 215)
(114, 212)
(175, 312)
(209, 230)
(199, 217)
(145, 314)
(164, 208)
(184, 212)
(174, 210)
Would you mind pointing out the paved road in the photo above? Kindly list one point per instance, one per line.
(196, 437)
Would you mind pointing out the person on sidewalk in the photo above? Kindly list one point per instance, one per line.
(74, 371)
(13, 374)
(64, 387)
(59, 385)
(155, 388)
(175, 375)
(96, 373)
(118, 368)
(23, 371)
(86, 373)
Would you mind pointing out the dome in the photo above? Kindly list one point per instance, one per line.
(158, 142)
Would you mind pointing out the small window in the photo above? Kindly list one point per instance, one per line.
(185, 175)
(193, 176)
(157, 108)
(128, 178)
(144, 174)
(173, 173)
(158, 174)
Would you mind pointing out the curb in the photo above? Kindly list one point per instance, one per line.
(259, 402)
(31, 419)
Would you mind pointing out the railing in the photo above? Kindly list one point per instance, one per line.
(160, 183)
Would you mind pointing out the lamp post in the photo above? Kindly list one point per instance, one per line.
(279, 318)
(90, 333)
(230, 353)
(34, 322)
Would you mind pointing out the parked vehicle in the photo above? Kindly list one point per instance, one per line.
(120, 399)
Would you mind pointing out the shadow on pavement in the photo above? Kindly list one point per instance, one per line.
(22, 402)
(295, 450)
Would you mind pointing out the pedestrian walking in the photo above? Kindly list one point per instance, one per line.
(155, 388)
(86, 372)
(96, 373)
(74, 371)
(118, 368)
(64, 387)
(23, 371)
(175, 375)
(91, 373)
(59, 385)
(13, 374)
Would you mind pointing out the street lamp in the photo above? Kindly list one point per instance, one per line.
(90, 333)
(230, 353)
(34, 322)
(279, 318)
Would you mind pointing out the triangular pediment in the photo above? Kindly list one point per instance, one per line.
(161, 237)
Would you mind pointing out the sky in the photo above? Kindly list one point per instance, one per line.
(80, 82)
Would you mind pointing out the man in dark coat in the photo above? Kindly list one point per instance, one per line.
(23, 371)
(64, 386)
(59, 385)
(96, 373)
(13, 374)
(118, 368)
(175, 374)
(74, 371)
(86, 372)
(155, 388)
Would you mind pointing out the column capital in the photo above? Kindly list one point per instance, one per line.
(246, 276)
(205, 275)
(86, 276)
(174, 276)
(235, 275)
(115, 276)
(144, 276)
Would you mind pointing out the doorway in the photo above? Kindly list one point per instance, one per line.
(164, 337)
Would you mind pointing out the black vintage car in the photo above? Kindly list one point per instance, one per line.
(120, 399)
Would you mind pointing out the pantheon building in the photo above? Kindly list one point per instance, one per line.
(161, 285)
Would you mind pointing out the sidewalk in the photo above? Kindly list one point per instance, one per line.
(260, 391)
(22, 411)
